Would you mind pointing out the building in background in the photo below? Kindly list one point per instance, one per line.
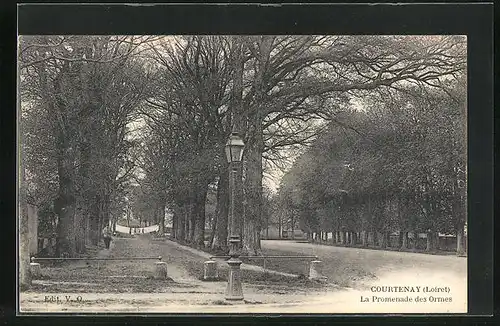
(272, 232)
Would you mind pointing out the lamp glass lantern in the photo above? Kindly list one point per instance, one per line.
(234, 148)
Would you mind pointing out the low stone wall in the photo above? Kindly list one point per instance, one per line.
(33, 229)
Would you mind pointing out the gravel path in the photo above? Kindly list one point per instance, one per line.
(390, 268)
(127, 286)
(381, 263)
(377, 259)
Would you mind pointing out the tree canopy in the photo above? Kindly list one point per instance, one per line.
(379, 120)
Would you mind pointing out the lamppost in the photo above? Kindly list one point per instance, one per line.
(234, 155)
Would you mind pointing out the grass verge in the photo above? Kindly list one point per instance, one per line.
(195, 267)
(338, 270)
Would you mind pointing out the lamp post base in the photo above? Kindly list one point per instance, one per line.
(234, 290)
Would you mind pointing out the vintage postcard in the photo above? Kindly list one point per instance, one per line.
(242, 174)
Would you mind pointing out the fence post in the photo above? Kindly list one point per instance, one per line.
(315, 270)
(161, 270)
(210, 271)
(35, 269)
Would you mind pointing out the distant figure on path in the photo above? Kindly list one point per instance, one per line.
(107, 237)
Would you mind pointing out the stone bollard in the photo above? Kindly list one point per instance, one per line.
(36, 270)
(210, 271)
(315, 270)
(161, 270)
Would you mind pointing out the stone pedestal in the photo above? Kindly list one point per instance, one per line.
(234, 290)
(315, 270)
(36, 270)
(210, 271)
(161, 270)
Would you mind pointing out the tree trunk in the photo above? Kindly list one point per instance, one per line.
(384, 240)
(65, 203)
(179, 235)
(63, 134)
(221, 211)
(375, 238)
(80, 225)
(65, 233)
(100, 222)
(23, 220)
(251, 240)
(460, 241)
(85, 197)
(88, 237)
(160, 217)
(259, 248)
(354, 238)
(213, 229)
(94, 221)
(431, 242)
(414, 244)
(253, 192)
(437, 245)
(175, 223)
(187, 218)
(365, 238)
(190, 222)
(254, 150)
(181, 224)
(387, 239)
(370, 238)
(404, 244)
(24, 242)
(199, 234)
(280, 229)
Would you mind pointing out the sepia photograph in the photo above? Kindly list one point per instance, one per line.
(242, 174)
